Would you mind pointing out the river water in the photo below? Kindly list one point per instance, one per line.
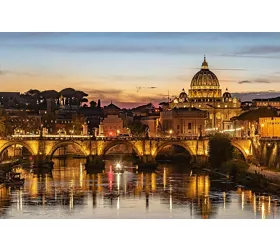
(171, 192)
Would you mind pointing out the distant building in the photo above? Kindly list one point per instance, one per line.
(248, 123)
(269, 102)
(270, 126)
(24, 122)
(183, 122)
(92, 116)
(111, 109)
(152, 121)
(143, 110)
(112, 125)
(205, 94)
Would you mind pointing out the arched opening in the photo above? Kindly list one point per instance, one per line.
(120, 151)
(67, 150)
(238, 154)
(16, 150)
(173, 153)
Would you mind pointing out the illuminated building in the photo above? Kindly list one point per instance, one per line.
(113, 125)
(269, 126)
(269, 102)
(183, 121)
(205, 94)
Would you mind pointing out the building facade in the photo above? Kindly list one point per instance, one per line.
(112, 125)
(205, 94)
(183, 122)
(270, 126)
(269, 102)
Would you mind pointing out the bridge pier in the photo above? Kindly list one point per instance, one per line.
(200, 159)
(147, 158)
(95, 162)
(39, 158)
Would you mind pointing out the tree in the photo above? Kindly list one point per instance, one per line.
(137, 128)
(92, 104)
(99, 104)
(220, 150)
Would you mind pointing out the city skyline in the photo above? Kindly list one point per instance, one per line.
(137, 68)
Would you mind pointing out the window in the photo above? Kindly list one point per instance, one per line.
(189, 125)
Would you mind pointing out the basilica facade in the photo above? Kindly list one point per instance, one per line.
(205, 94)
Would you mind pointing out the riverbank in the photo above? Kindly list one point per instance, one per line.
(266, 172)
(259, 180)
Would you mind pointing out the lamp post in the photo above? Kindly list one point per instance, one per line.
(170, 132)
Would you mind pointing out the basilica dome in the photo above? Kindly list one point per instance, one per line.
(183, 95)
(227, 94)
(205, 79)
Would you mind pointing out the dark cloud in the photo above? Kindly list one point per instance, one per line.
(248, 96)
(261, 81)
(121, 98)
(242, 82)
(108, 94)
(259, 50)
(250, 56)
(258, 80)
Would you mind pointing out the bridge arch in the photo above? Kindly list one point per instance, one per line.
(115, 143)
(241, 149)
(183, 145)
(11, 143)
(66, 143)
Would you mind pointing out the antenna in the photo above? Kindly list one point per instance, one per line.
(168, 96)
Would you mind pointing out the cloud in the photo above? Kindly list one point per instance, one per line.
(113, 48)
(261, 81)
(259, 50)
(29, 74)
(263, 51)
(258, 80)
(230, 69)
(248, 96)
(108, 94)
(246, 81)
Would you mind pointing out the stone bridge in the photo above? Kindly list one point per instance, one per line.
(146, 148)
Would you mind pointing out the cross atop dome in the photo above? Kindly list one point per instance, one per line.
(204, 64)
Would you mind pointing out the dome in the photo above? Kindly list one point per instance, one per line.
(183, 94)
(227, 94)
(205, 78)
(176, 100)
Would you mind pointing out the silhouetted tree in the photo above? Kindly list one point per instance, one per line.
(92, 104)
(220, 150)
(99, 104)
(137, 128)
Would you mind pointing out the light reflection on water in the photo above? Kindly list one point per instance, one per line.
(169, 192)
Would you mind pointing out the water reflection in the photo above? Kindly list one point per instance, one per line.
(69, 191)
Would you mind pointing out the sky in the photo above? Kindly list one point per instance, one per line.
(131, 69)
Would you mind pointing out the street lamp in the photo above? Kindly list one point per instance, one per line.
(262, 125)
(170, 132)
